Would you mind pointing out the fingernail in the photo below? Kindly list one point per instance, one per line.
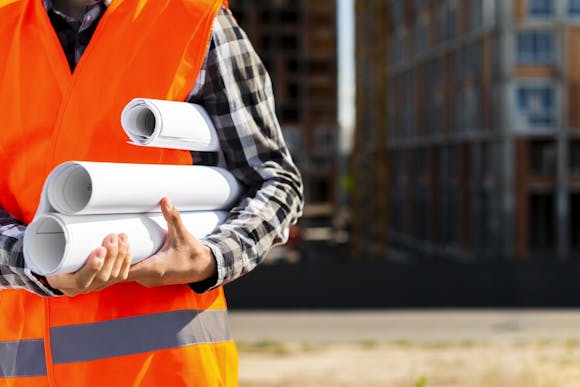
(113, 239)
(168, 205)
(100, 254)
(123, 238)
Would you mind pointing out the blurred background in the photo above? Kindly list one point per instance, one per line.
(439, 144)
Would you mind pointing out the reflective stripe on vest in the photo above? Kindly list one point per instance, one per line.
(128, 336)
(22, 358)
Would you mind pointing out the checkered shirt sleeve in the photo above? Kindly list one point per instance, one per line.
(13, 273)
(237, 93)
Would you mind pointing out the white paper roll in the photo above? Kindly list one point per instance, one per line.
(169, 124)
(113, 188)
(56, 243)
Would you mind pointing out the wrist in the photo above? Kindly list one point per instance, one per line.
(205, 265)
(46, 283)
(211, 274)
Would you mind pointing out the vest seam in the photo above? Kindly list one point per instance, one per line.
(65, 93)
(47, 346)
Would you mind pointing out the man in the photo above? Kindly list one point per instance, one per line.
(68, 69)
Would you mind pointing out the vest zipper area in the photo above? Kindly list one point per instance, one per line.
(47, 346)
(62, 62)
(75, 75)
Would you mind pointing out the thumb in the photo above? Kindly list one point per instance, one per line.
(175, 227)
(86, 274)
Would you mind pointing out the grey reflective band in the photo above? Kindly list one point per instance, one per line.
(133, 335)
(22, 358)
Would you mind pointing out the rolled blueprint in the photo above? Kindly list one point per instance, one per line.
(82, 202)
(81, 188)
(56, 243)
(169, 124)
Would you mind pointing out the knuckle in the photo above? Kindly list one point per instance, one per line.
(102, 277)
(79, 283)
(112, 252)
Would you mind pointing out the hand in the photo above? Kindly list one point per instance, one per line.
(181, 260)
(108, 264)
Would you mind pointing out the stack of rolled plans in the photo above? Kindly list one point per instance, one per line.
(82, 202)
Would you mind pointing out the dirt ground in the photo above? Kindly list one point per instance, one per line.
(541, 364)
(409, 349)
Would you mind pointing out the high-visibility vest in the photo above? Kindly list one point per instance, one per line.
(124, 335)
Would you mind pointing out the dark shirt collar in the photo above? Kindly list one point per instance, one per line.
(49, 7)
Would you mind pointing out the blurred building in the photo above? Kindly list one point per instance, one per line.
(296, 40)
(370, 195)
(483, 124)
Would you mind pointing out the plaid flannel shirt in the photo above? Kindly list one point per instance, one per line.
(236, 91)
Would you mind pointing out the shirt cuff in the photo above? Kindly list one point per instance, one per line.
(42, 283)
(216, 280)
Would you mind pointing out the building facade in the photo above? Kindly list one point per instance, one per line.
(296, 40)
(483, 125)
(370, 197)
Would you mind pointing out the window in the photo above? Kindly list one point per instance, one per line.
(450, 219)
(475, 14)
(450, 161)
(434, 73)
(397, 47)
(575, 222)
(541, 8)
(459, 111)
(542, 230)
(409, 115)
(472, 61)
(421, 212)
(535, 47)
(574, 7)
(391, 108)
(543, 158)
(421, 163)
(536, 105)
(471, 118)
(447, 22)
(421, 34)
(490, 13)
(451, 17)
(435, 115)
(398, 205)
(459, 64)
(397, 11)
(420, 4)
(574, 157)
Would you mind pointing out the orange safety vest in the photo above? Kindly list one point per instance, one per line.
(125, 335)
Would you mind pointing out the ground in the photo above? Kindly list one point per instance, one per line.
(416, 349)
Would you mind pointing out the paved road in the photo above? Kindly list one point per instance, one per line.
(405, 326)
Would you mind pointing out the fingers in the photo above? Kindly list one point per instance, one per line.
(175, 227)
(123, 261)
(105, 266)
(111, 244)
(89, 271)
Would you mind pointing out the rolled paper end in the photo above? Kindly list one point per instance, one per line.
(169, 124)
(70, 188)
(45, 245)
(140, 121)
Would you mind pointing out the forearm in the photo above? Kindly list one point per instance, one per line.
(237, 93)
(257, 223)
(13, 273)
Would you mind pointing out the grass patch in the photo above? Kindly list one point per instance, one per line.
(264, 346)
